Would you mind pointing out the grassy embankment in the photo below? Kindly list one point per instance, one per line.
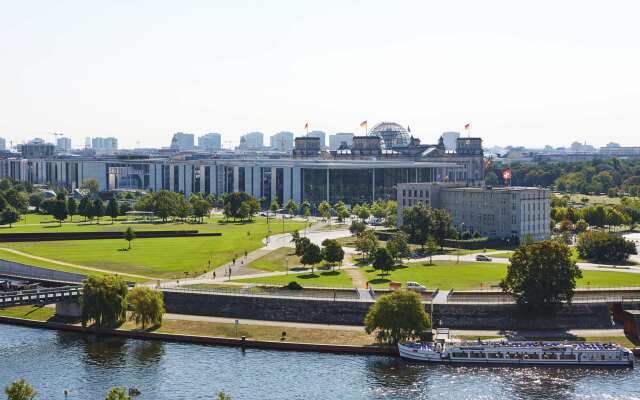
(355, 337)
(157, 257)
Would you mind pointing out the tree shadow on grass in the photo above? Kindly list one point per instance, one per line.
(308, 276)
(330, 273)
(379, 281)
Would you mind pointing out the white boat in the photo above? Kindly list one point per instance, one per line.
(516, 352)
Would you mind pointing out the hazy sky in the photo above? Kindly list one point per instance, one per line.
(530, 73)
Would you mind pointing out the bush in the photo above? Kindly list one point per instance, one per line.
(293, 286)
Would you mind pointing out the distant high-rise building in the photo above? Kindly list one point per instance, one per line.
(3, 144)
(281, 141)
(63, 144)
(210, 142)
(578, 147)
(36, 148)
(182, 141)
(338, 139)
(104, 145)
(320, 135)
(449, 139)
(252, 141)
(87, 143)
(613, 145)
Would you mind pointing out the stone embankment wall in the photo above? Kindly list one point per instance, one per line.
(457, 316)
(16, 269)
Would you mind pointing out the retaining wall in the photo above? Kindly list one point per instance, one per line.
(16, 269)
(456, 316)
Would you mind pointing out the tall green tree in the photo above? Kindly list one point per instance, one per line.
(72, 207)
(91, 185)
(398, 246)
(98, 209)
(20, 390)
(367, 243)
(324, 208)
(541, 276)
(118, 393)
(35, 200)
(291, 207)
(85, 207)
(332, 252)
(442, 226)
(382, 260)
(104, 301)
(9, 216)
(59, 211)
(397, 317)
(147, 306)
(312, 255)
(129, 235)
(112, 209)
(418, 222)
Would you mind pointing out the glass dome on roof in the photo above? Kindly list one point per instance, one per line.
(392, 134)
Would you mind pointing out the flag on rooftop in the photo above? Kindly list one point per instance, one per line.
(467, 126)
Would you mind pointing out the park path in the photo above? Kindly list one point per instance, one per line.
(84, 267)
(357, 277)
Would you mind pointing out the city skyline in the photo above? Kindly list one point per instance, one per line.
(243, 67)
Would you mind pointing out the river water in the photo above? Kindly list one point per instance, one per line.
(88, 366)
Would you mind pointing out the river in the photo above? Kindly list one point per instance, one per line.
(88, 366)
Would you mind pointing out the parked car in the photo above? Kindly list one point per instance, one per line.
(482, 257)
(416, 286)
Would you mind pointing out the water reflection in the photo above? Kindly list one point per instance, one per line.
(104, 351)
(148, 353)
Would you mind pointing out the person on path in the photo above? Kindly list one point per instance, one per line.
(214, 274)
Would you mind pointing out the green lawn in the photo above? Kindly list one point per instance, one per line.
(29, 312)
(447, 275)
(275, 261)
(506, 254)
(157, 257)
(336, 278)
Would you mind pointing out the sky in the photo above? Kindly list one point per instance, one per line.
(521, 73)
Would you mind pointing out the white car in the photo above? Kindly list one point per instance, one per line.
(416, 286)
(482, 257)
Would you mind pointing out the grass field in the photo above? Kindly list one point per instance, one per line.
(448, 275)
(336, 278)
(275, 261)
(157, 257)
(506, 254)
(29, 312)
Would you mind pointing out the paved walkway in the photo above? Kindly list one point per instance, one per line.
(183, 317)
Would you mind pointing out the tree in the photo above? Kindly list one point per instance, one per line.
(332, 252)
(306, 209)
(378, 210)
(312, 255)
(118, 393)
(129, 235)
(357, 227)
(341, 211)
(442, 227)
(72, 207)
(581, 226)
(397, 317)
(201, 207)
(17, 200)
(112, 209)
(324, 208)
(398, 246)
(244, 211)
(91, 185)
(85, 207)
(9, 216)
(367, 242)
(182, 207)
(35, 200)
(430, 246)
(98, 209)
(363, 212)
(541, 276)
(59, 211)
(291, 207)
(418, 222)
(382, 260)
(20, 390)
(599, 246)
(104, 301)
(147, 306)
(223, 396)
(301, 245)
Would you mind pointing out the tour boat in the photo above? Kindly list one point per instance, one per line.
(519, 352)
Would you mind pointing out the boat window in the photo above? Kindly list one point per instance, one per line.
(477, 354)
(494, 355)
(567, 356)
(460, 355)
(531, 356)
(549, 356)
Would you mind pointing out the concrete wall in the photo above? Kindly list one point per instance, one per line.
(27, 271)
(460, 316)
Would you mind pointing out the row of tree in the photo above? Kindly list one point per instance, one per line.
(105, 301)
(311, 254)
(610, 176)
(425, 224)
(570, 218)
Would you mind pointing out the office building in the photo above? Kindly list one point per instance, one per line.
(449, 139)
(320, 135)
(210, 142)
(339, 140)
(493, 212)
(63, 144)
(281, 141)
(36, 148)
(104, 145)
(182, 141)
(3, 144)
(252, 141)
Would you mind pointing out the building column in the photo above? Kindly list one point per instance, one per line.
(373, 185)
(202, 179)
(171, 177)
(257, 182)
(327, 185)
(248, 187)
(274, 193)
(213, 179)
(286, 184)
(296, 190)
(236, 179)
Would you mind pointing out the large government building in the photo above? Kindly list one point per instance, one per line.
(370, 169)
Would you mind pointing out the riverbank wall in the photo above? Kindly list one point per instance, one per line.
(455, 316)
(206, 340)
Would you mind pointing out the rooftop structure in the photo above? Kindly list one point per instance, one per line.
(392, 134)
